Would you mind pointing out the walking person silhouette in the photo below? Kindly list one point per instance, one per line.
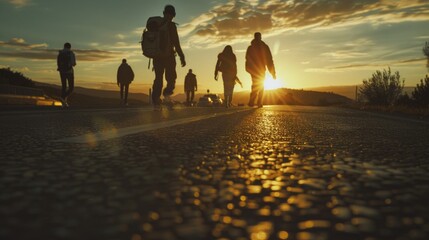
(124, 77)
(167, 64)
(190, 87)
(227, 64)
(66, 60)
(258, 59)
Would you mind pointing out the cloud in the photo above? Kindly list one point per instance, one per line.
(342, 55)
(20, 43)
(237, 20)
(19, 48)
(120, 36)
(97, 55)
(353, 49)
(354, 66)
(19, 3)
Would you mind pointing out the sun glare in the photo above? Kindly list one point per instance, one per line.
(271, 83)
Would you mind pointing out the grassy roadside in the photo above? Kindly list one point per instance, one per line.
(400, 111)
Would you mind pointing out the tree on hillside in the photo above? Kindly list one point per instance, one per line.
(404, 100)
(426, 53)
(8, 76)
(383, 88)
(421, 92)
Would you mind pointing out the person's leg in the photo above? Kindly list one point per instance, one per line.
(254, 91)
(126, 94)
(225, 90)
(260, 91)
(192, 95)
(121, 85)
(188, 93)
(231, 93)
(70, 79)
(170, 75)
(159, 67)
(63, 85)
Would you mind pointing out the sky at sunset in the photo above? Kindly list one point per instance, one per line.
(314, 42)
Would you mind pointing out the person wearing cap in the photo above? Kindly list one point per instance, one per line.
(124, 77)
(167, 64)
(258, 59)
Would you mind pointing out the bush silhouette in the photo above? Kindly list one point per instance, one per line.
(8, 76)
(421, 92)
(426, 53)
(405, 100)
(383, 88)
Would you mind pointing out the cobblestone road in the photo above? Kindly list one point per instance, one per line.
(272, 173)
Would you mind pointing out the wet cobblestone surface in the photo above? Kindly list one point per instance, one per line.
(271, 173)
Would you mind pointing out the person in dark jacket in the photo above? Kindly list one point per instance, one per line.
(66, 60)
(124, 78)
(167, 64)
(227, 64)
(190, 87)
(258, 59)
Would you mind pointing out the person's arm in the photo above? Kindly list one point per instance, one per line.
(176, 44)
(247, 63)
(238, 81)
(270, 62)
(118, 75)
(216, 68)
(58, 62)
(196, 86)
(131, 73)
(73, 59)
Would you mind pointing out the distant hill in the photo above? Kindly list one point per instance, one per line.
(285, 96)
(321, 96)
(348, 91)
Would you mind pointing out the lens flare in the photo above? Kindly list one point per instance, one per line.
(270, 83)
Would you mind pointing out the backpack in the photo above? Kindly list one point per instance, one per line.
(156, 38)
(64, 61)
(226, 64)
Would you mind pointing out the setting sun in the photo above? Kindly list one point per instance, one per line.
(271, 83)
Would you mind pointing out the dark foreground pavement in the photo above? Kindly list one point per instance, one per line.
(271, 173)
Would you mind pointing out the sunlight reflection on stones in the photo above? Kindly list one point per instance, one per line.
(261, 231)
(313, 183)
(364, 211)
(311, 236)
(341, 212)
(265, 211)
(310, 224)
(254, 189)
(364, 224)
(301, 200)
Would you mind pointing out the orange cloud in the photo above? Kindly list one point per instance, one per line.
(19, 3)
(236, 21)
(341, 68)
(19, 48)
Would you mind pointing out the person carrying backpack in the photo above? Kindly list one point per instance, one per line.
(258, 59)
(190, 87)
(124, 77)
(66, 60)
(227, 64)
(164, 39)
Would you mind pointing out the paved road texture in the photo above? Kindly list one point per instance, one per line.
(271, 173)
